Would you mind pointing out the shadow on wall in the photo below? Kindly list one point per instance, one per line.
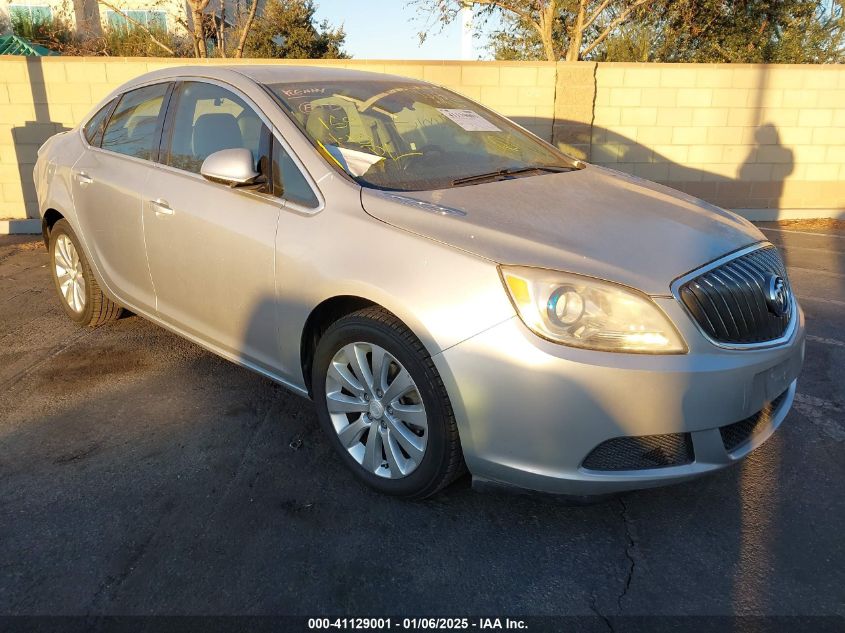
(759, 181)
(28, 137)
(767, 143)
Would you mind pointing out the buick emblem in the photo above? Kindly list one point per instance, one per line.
(777, 295)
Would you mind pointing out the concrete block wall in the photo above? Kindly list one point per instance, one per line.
(575, 94)
(741, 136)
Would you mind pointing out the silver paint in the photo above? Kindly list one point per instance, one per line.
(239, 272)
(230, 166)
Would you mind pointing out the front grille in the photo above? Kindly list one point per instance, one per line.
(736, 434)
(729, 302)
(645, 451)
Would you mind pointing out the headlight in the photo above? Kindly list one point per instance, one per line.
(590, 313)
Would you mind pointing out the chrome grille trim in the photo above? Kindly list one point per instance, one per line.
(745, 292)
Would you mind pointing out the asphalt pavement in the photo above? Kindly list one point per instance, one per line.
(140, 474)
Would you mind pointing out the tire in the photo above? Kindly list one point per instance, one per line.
(379, 331)
(89, 306)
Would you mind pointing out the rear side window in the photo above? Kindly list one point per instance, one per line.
(93, 130)
(288, 181)
(207, 119)
(133, 128)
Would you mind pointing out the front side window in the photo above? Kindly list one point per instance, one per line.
(208, 119)
(408, 136)
(133, 128)
(93, 130)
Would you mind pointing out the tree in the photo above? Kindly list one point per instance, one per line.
(197, 26)
(287, 29)
(750, 31)
(571, 29)
(744, 31)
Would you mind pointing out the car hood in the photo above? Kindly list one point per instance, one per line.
(593, 221)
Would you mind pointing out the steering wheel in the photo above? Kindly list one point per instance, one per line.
(427, 152)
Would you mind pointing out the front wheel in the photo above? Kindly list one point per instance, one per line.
(79, 293)
(383, 405)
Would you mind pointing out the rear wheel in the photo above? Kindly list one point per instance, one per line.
(79, 293)
(384, 407)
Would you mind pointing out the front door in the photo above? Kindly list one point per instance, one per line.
(211, 247)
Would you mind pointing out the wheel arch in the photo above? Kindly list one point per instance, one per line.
(48, 221)
(334, 308)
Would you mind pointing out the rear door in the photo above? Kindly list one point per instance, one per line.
(211, 248)
(108, 183)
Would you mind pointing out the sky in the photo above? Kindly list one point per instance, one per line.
(388, 29)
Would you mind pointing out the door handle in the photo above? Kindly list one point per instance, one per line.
(83, 178)
(161, 207)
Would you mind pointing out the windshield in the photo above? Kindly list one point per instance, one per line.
(409, 137)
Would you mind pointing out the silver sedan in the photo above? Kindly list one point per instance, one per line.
(452, 292)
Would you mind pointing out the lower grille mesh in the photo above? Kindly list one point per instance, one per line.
(638, 453)
(673, 449)
(736, 434)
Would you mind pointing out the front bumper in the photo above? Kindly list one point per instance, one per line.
(530, 411)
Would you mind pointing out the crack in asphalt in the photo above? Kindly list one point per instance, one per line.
(599, 614)
(108, 588)
(629, 548)
(246, 453)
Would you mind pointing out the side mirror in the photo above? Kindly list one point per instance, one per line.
(233, 167)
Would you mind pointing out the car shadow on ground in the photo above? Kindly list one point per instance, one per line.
(141, 474)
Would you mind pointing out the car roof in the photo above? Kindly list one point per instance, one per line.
(272, 73)
(278, 73)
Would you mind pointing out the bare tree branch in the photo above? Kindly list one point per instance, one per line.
(596, 14)
(221, 29)
(141, 26)
(197, 8)
(514, 7)
(612, 26)
(543, 24)
(250, 18)
(576, 33)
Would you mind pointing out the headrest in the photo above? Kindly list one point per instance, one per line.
(216, 131)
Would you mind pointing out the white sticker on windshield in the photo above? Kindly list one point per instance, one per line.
(355, 162)
(469, 120)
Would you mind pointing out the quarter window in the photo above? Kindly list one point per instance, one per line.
(208, 119)
(288, 181)
(93, 130)
(133, 128)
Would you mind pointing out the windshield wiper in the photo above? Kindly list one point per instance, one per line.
(511, 171)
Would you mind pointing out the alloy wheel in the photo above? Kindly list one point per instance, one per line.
(376, 409)
(69, 273)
